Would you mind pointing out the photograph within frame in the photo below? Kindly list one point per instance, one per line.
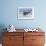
(25, 13)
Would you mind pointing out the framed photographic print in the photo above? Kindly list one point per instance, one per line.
(25, 13)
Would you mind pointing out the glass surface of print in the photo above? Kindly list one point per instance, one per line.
(25, 13)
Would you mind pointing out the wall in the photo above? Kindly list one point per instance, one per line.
(8, 13)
